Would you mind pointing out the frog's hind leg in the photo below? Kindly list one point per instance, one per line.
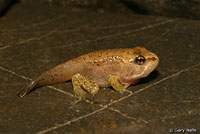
(83, 84)
(114, 82)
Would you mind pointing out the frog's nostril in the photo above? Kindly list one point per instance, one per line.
(153, 58)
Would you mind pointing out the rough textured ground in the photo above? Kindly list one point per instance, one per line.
(36, 37)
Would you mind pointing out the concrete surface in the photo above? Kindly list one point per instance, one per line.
(36, 37)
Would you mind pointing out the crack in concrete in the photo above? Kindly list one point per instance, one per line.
(21, 76)
(37, 38)
(4, 47)
(106, 27)
(163, 34)
(36, 24)
(119, 34)
(98, 38)
(61, 16)
(126, 116)
(137, 30)
(61, 91)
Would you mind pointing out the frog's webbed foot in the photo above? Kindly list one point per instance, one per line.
(114, 82)
(83, 84)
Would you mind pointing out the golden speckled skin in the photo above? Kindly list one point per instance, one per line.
(100, 67)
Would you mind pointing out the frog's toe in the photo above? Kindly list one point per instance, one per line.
(128, 91)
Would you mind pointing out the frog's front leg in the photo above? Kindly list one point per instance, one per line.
(83, 84)
(114, 82)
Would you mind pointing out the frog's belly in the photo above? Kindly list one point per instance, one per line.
(101, 74)
(102, 80)
(99, 77)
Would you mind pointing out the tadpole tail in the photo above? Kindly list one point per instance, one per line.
(58, 74)
(28, 89)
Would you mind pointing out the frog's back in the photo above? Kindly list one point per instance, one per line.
(103, 54)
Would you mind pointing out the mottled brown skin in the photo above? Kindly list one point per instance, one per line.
(99, 66)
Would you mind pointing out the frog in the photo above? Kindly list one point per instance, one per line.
(118, 68)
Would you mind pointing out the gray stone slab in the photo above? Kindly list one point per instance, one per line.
(96, 123)
(37, 36)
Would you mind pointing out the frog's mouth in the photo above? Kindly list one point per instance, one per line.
(150, 65)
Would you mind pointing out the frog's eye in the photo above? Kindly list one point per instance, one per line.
(139, 60)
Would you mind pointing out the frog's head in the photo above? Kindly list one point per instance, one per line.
(144, 62)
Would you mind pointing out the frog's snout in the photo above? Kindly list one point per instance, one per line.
(154, 61)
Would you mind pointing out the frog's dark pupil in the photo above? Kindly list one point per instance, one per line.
(139, 60)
